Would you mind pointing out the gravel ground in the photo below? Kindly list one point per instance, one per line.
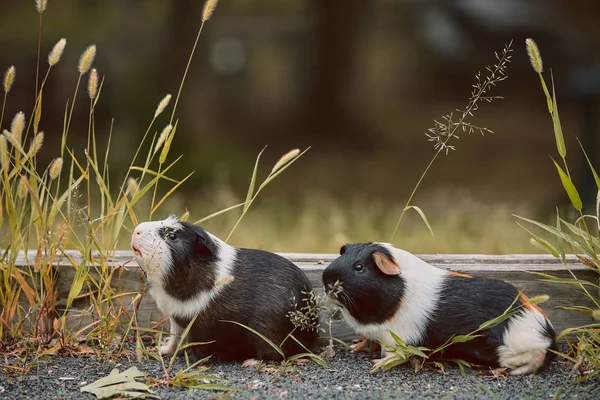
(349, 378)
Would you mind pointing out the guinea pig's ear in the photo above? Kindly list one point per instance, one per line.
(342, 250)
(386, 264)
(202, 246)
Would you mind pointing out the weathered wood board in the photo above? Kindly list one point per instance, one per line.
(511, 268)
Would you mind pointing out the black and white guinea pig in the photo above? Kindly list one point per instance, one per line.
(191, 272)
(381, 288)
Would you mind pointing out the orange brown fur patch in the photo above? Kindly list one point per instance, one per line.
(387, 266)
(531, 307)
(454, 273)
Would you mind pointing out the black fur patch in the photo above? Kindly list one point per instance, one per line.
(369, 295)
(260, 297)
(466, 303)
(193, 255)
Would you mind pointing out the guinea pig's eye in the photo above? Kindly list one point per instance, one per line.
(359, 268)
(171, 236)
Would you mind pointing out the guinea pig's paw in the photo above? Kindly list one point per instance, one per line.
(168, 348)
(365, 345)
(525, 363)
(251, 362)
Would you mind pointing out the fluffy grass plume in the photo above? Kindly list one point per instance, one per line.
(36, 144)
(56, 168)
(162, 105)
(534, 55)
(209, 9)
(9, 78)
(93, 83)
(162, 137)
(57, 52)
(86, 59)
(22, 188)
(287, 157)
(41, 5)
(132, 186)
(17, 126)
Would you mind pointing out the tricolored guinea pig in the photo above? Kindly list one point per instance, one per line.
(381, 288)
(193, 272)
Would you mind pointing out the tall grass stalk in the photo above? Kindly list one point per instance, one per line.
(579, 237)
(446, 130)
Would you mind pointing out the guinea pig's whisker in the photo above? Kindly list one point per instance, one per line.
(349, 303)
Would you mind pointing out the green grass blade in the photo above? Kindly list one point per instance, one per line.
(569, 187)
(422, 214)
(167, 146)
(560, 140)
(38, 115)
(250, 193)
(546, 93)
(170, 192)
(216, 214)
(318, 360)
(542, 242)
(397, 339)
(280, 170)
(153, 173)
(560, 242)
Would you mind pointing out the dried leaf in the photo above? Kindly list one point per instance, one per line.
(120, 384)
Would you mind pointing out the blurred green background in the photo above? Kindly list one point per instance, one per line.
(359, 81)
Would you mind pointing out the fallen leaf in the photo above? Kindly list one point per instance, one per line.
(328, 352)
(120, 384)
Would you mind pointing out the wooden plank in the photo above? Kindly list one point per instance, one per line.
(511, 268)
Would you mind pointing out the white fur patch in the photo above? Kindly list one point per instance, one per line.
(156, 259)
(155, 256)
(422, 287)
(524, 342)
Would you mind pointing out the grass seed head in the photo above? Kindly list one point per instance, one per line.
(163, 136)
(534, 56)
(17, 126)
(3, 152)
(57, 51)
(162, 105)
(287, 157)
(36, 144)
(538, 299)
(56, 168)
(9, 78)
(132, 186)
(93, 83)
(86, 59)
(22, 188)
(41, 5)
(209, 8)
